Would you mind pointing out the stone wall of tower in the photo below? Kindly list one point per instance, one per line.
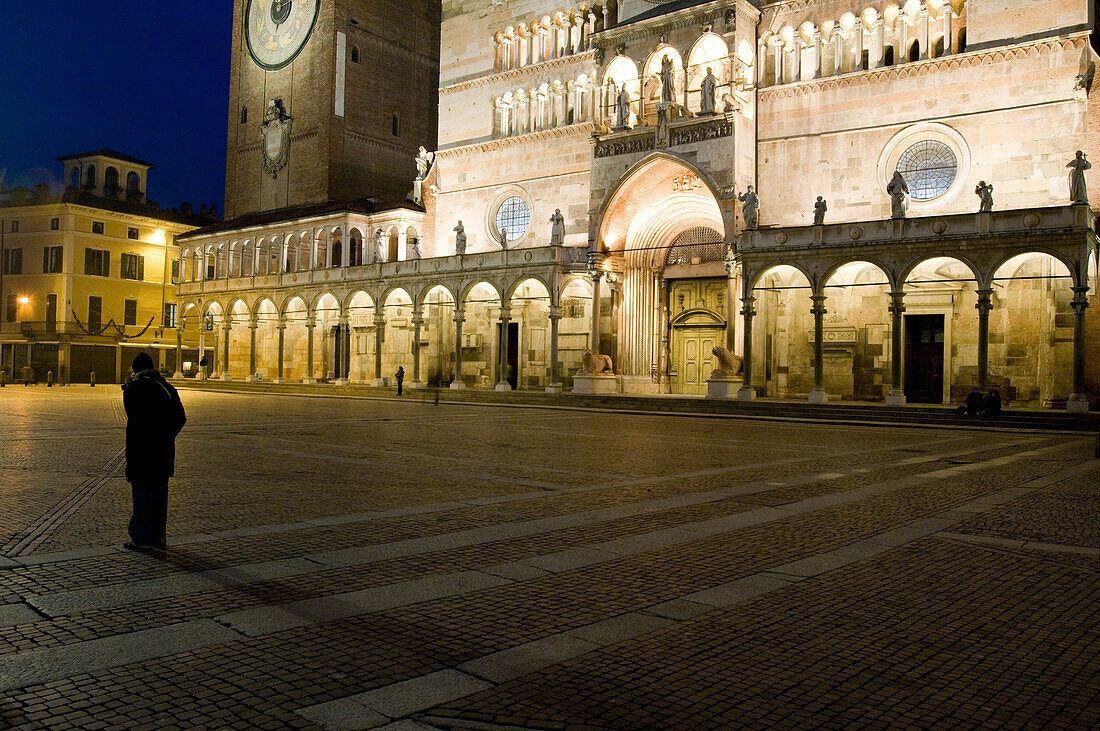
(337, 156)
(1000, 22)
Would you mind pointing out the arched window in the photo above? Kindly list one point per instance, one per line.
(355, 54)
(90, 177)
(244, 115)
(74, 177)
(914, 51)
(110, 182)
(355, 253)
(337, 249)
(396, 126)
(962, 40)
(391, 248)
(888, 56)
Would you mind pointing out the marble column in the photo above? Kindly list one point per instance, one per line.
(796, 59)
(281, 327)
(662, 356)
(857, 46)
(555, 377)
(179, 350)
(879, 30)
(777, 45)
(311, 324)
(418, 322)
(341, 366)
(594, 344)
(901, 54)
(505, 320)
(1078, 403)
(226, 331)
(731, 306)
(202, 348)
(896, 397)
(923, 33)
(818, 53)
(761, 58)
(985, 304)
(747, 392)
(818, 395)
(948, 40)
(458, 383)
(838, 51)
(252, 351)
(379, 338)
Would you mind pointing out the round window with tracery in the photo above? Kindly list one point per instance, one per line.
(929, 168)
(513, 216)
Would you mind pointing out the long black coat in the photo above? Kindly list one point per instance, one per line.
(154, 418)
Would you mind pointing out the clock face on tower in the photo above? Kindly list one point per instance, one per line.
(276, 30)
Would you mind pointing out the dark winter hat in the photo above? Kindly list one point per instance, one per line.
(142, 362)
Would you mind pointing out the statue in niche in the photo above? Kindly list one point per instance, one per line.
(379, 247)
(623, 108)
(594, 364)
(668, 93)
(819, 211)
(728, 364)
(899, 193)
(984, 191)
(709, 91)
(1078, 193)
(414, 249)
(750, 207)
(557, 228)
(460, 238)
(503, 238)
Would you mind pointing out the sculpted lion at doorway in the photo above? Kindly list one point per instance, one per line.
(729, 364)
(595, 363)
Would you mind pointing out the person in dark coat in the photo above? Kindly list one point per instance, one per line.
(992, 404)
(400, 378)
(154, 416)
(974, 402)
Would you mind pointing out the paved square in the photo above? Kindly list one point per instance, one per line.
(356, 563)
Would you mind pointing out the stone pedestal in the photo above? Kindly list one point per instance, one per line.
(721, 386)
(378, 383)
(309, 380)
(595, 384)
(503, 386)
(896, 397)
(280, 381)
(818, 396)
(254, 378)
(554, 388)
(226, 377)
(1077, 404)
(341, 382)
(457, 385)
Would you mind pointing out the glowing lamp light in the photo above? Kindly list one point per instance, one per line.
(24, 300)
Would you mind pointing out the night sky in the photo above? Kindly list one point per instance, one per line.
(148, 78)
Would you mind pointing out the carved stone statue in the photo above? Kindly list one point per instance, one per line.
(728, 364)
(899, 192)
(503, 238)
(379, 246)
(460, 238)
(750, 207)
(424, 161)
(1078, 193)
(622, 104)
(557, 228)
(984, 191)
(709, 91)
(668, 92)
(595, 364)
(414, 249)
(819, 211)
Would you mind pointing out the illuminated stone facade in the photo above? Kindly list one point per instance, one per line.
(600, 113)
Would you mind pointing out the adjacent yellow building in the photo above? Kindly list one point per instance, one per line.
(87, 278)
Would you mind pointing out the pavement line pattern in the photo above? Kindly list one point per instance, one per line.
(380, 706)
(37, 666)
(82, 600)
(38, 532)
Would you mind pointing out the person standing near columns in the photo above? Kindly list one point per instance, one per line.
(399, 377)
(154, 416)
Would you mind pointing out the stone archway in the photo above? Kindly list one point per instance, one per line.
(655, 204)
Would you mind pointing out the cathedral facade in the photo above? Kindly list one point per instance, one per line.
(804, 199)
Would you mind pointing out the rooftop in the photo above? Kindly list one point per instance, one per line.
(107, 152)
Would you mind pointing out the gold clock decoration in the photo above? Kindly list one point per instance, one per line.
(277, 30)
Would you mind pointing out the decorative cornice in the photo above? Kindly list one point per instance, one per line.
(580, 129)
(921, 68)
(508, 76)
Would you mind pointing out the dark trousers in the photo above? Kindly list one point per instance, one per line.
(398, 386)
(149, 522)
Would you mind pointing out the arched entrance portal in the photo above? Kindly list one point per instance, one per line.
(664, 233)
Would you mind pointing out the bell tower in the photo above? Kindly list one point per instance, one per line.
(329, 100)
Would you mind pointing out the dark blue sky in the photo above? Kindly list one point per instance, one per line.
(145, 77)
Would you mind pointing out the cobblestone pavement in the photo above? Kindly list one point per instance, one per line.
(343, 563)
